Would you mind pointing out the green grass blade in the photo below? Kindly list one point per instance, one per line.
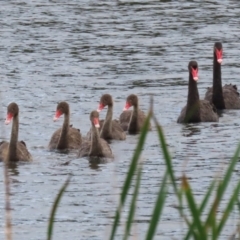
(206, 198)
(211, 219)
(193, 208)
(130, 173)
(133, 204)
(158, 208)
(202, 207)
(238, 205)
(168, 161)
(166, 154)
(228, 209)
(54, 208)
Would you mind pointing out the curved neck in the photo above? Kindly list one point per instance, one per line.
(134, 124)
(193, 104)
(106, 130)
(12, 150)
(217, 97)
(63, 140)
(96, 149)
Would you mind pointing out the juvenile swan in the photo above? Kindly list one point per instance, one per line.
(109, 129)
(14, 150)
(66, 137)
(97, 147)
(132, 120)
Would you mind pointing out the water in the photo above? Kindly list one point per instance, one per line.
(77, 51)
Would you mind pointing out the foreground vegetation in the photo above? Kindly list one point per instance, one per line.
(199, 226)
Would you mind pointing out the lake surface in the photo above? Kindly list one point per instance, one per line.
(78, 50)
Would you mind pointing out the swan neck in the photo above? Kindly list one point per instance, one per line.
(217, 97)
(193, 102)
(12, 151)
(63, 140)
(107, 126)
(134, 124)
(95, 142)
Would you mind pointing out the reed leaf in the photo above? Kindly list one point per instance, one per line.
(206, 198)
(201, 209)
(130, 174)
(211, 219)
(166, 154)
(8, 220)
(158, 208)
(238, 205)
(193, 208)
(54, 208)
(228, 209)
(133, 204)
(168, 161)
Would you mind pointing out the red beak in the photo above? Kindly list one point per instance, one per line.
(57, 115)
(100, 107)
(96, 122)
(195, 74)
(8, 118)
(219, 54)
(127, 106)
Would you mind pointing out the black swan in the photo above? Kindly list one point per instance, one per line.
(15, 150)
(196, 110)
(132, 120)
(226, 97)
(65, 137)
(97, 147)
(109, 129)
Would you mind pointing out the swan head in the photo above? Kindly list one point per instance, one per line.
(218, 51)
(12, 111)
(193, 69)
(94, 118)
(62, 108)
(132, 100)
(106, 100)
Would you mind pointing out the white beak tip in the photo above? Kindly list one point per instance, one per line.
(7, 122)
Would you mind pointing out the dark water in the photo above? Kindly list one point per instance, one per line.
(76, 51)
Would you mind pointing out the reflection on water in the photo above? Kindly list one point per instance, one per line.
(69, 51)
(190, 129)
(13, 169)
(94, 166)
